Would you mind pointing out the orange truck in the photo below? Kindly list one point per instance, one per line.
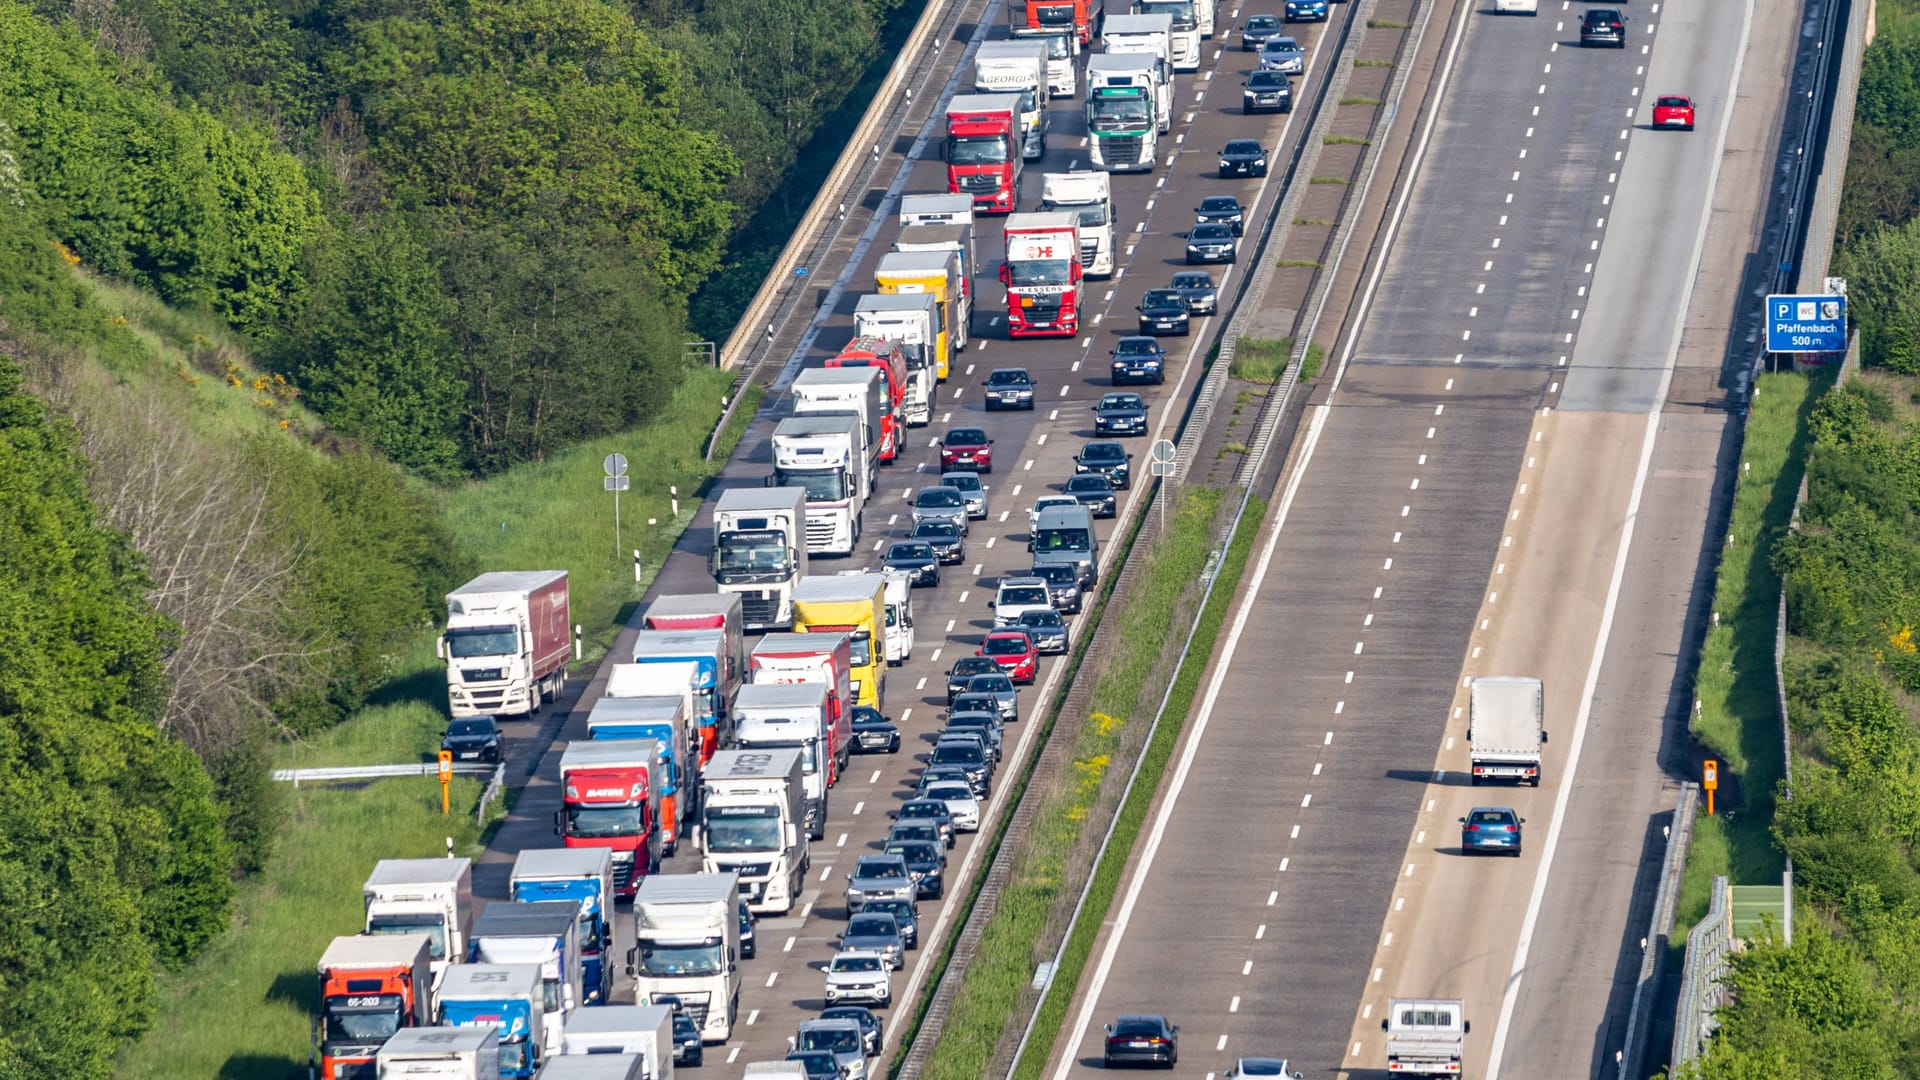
(371, 986)
(868, 351)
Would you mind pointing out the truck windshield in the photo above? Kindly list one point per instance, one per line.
(516, 1057)
(1062, 540)
(821, 486)
(1031, 272)
(374, 1019)
(658, 959)
(413, 924)
(1119, 113)
(1059, 46)
(861, 646)
(742, 830)
(1181, 10)
(977, 150)
(1090, 213)
(472, 641)
(740, 553)
(595, 822)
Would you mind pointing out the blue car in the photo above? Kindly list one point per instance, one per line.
(1306, 10)
(1491, 828)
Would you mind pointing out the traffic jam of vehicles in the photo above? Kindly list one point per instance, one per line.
(699, 798)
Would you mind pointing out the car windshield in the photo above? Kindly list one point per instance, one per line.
(1056, 574)
(1220, 205)
(1674, 102)
(899, 909)
(1162, 298)
(914, 851)
(993, 683)
(878, 868)
(957, 753)
(945, 530)
(1089, 482)
(467, 728)
(965, 481)
(1137, 1028)
(1136, 347)
(973, 665)
(910, 551)
(1102, 452)
(1024, 594)
(1047, 618)
(949, 791)
(1006, 645)
(856, 963)
(867, 925)
(867, 714)
(926, 808)
(1122, 401)
(912, 832)
(978, 704)
(837, 1037)
(1211, 232)
(1263, 22)
(1008, 377)
(1266, 80)
(1283, 44)
(966, 437)
(935, 498)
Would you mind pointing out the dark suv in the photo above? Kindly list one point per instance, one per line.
(1603, 26)
(1267, 91)
(1063, 586)
(1164, 311)
(1009, 388)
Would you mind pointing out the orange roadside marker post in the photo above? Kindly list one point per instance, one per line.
(1710, 779)
(446, 781)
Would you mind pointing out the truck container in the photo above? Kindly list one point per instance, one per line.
(760, 552)
(686, 929)
(422, 896)
(1042, 274)
(883, 356)
(504, 997)
(506, 643)
(810, 658)
(753, 805)
(1183, 30)
(1082, 17)
(610, 799)
(628, 711)
(441, 1053)
(899, 598)
(708, 651)
(945, 208)
(646, 1030)
(854, 605)
(546, 933)
(1017, 67)
(596, 1067)
(1121, 64)
(371, 986)
(1088, 194)
(940, 275)
(775, 716)
(1506, 724)
(1425, 1037)
(912, 323)
(705, 611)
(584, 876)
(856, 392)
(957, 236)
(822, 455)
(1123, 102)
(981, 151)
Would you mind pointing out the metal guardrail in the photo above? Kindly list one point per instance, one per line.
(339, 773)
(1653, 947)
(1709, 944)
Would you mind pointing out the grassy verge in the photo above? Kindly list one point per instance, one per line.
(1133, 813)
(1003, 961)
(1260, 360)
(1739, 719)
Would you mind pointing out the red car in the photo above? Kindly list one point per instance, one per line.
(1014, 651)
(1674, 111)
(967, 448)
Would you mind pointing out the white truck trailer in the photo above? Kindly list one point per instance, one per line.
(646, 1030)
(686, 931)
(753, 807)
(760, 551)
(822, 454)
(423, 896)
(1505, 729)
(440, 1053)
(1088, 193)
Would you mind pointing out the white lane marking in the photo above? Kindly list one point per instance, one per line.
(859, 806)
(875, 778)
(788, 947)
(733, 1053)
(771, 977)
(922, 685)
(753, 1017)
(842, 842)
(949, 626)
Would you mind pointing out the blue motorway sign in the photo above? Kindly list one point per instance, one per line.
(1798, 324)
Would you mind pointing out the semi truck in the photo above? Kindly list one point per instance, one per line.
(885, 357)
(546, 933)
(1141, 59)
(753, 805)
(707, 650)
(1183, 30)
(936, 209)
(1425, 1037)
(822, 456)
(779, 716)
(899, 597)
(983, 135)
(504, 997)
(1081, 17)
(654, 701)
(646, 1030)
(939, 275)
(686, 931)
(1042, 274)
(854, 605)
(814, 658)
(912, 323)
(1062, 47)
(760, 552)
(1124, 99)
(1088, 194)
(422, 896)
(848, 392)
(1506, 724)
(506, 643)
(944, 236)
(705, 611)
(584, 876)
(610, 798)
(1017, 67)
(441, 1053)
(371, 986)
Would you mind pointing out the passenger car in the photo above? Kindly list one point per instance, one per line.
(963, 671)
(1674, 111)
(1491, 828)
(1603, 26)
(968, 483)
(1257, 29)
(474, 738)
(843, 1038)
(928, 811)
(874, 733)
(971, 756)
(1119, 414)
(938, 502)
(961, 802)
(907, 913)
(917, 558)
(818, 1064)
(1163, 311)
(985, 721)
(1221, 210)
(1141, 1039)
(1210, 243)
(927, 861)
(920, 829)
(1266, 91)
(1202, 296)
(1261, 1066)
(877, 877)
(859, 977)
(1049, 631)
(1095, 492)
(1110, 459)
(688, 1049)
(1013, 650)
(948, 543)
(1516, 7)
(1306, 10)
(996, 685)
(1138, 359)
(1015, 595)
(1283, 54)
(966, 448)
(1240, 157)
(1063, 585)
(1009, 388)
(869, 1024)
(877, 935)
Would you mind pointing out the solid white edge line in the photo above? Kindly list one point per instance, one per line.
(1511, 995)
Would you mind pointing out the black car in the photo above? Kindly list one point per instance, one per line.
(1120, 414)
(749, 941)
(1142, 1040)
(927, 863)
(1603, 26)
(1202, 295)
(1048, 630)
(870, 1031)
(1163, 311)
(687, 1048)
(916, 557)
(1221, 210)
(986, 723)
(948, 542)
(1095, 492)
(1063, 586)
(904, 912)
(1009, 388)
(971, 757)
(1267, 91)
(1257, 30)
(1110, 459)
(1211, 244)
(1139, 359)
(1243, 157)
(874, 733)
(963, 671)
(934, 810)
(474, 738)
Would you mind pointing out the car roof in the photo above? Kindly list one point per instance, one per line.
(966, 434)
(1220, 201)
(999, 371)
(1212, 228)
(1011, 582)
(1102, 445)
(937, 487)
(1092, 479)
(1169, 293)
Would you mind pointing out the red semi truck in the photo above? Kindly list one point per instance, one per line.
(983, 150)
(885, 357)
(371, 985)
(610, 798)
(1042, 274)
(1052, 16)
(814, 658)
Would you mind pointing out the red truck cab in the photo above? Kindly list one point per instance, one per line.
(982, 150)
(1052, 16)
(1042, 274)
(610, 798)
(371, 985)
(884, 356)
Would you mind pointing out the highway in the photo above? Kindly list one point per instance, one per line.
(783, 985)
(1501, 481)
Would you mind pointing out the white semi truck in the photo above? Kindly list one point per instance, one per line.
(686, 929)
(423, 896)
(911, 321)
(506, 643)
(753, 806)
(760, 551)
(773, 716)
(1018, 66)
(822, 455)
(1505, 728)
(1088, 193)
(1184, 32)
(1129, 105)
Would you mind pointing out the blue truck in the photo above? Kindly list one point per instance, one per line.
(506, 997)
(583, 876)
(546, 933)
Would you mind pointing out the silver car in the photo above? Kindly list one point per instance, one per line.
(941, 502)
(960, 801)
(1283, 54)
(1006, 696)
(844, 1039)
(872, 932)
(877, 877)
(970, 486)
(860, 977)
